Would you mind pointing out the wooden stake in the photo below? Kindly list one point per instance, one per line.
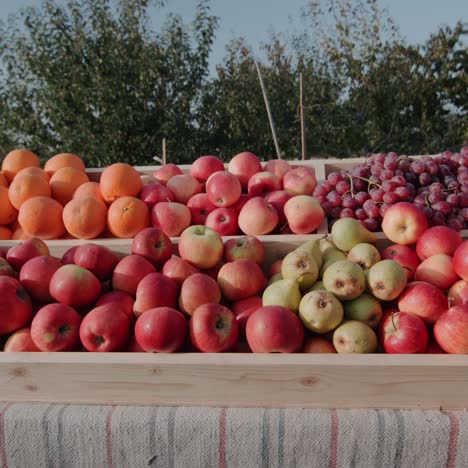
(164, 151)
(267, 105)
(303, 128)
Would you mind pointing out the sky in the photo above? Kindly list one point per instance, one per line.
(255, 19)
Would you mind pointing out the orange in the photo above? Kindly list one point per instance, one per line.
(19, 234)
(32, 170)
(3, 180)
(27, 186)
(120, 180)
(61, 160)
(127, 216)
(42, 217)
(85, 217)
(64, 183)
(16, 160)
(8, 212)
(5, 233)
(89, 189)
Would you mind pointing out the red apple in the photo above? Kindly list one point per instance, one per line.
(317, 344)
(258, 217)
(161, 330)
(74, 286)
(223, 189)
(153, 244)
(35, 276)
(120, 299)
(178, 269)
(278, 199)
(403, 255)
(300, 181)
(6, 269)
(243, 309)
(437, 270)
(434, 348)
(166, 172)
(56, 327)
(98, 259)
(18, 255)
(424, 300)
(404, 223)
(213, 271)
(263, 183)
(183, 187)
(460, 260)
(134, 347)
(303, 214)
(20, 342)
(200, 207)
(155, 193)
(155, 290)
(196, 290)
(278, 166)
(15, 305)
(223, 221)
(243, 199)
(275, 268)
(69, 256)
(458, 293)
(451, 330)
(247, 247)
(105, 329)
(129, 272)
(171, 217)
(240, 279)
(201, 246)
(274, 329)
(244, 166)
(204, 166)
(437, 240)
(213, 328)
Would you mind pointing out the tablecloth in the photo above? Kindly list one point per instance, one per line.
(55, 435)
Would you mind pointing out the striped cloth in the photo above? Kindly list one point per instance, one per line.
(41, 435)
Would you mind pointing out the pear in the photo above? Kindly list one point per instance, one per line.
(354, 337)
(345, 279)
(317, 286)
(333, 255)
(274, 278)
(364, 308)
(300, 266)
(284, 292)
(313, 246)
(320, 311)
(348, 232)
(326, 244)
(364, 254)
(386, 280)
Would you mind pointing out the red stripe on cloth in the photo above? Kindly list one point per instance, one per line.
(334, 438)
(453, 440)
(109, 436)
(3, 453)
(222, 438)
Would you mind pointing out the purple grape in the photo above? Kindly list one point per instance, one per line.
(432, 168)
(347, 213)
(463, 203)
(428, 211)
(335, 212)
(334, 198)
(320, 191)
(334, 178)
(371, 209)
(453, 199)
(464, 213)
(349, 202)
(390, 163)
(444, 170)
(425, 178)
(379, 158)
(376, 194)
(404, 165)
(361, 197)
(360, 171)
(454, 185)
(342, 187)
(463, 177)
(411, 178)
(418, 167)
(438, 218)
(420, 199)
(443, 207)
(359, 184)
(436, 187)
(386, 175)
(399, 181)
(435, 197)
(390, 198)
(326, 207)
(383, 208)
(455, 224)
(412, 189)
(399, 172)
(402, 193)
(360, 214)
(388, 186)
(327, 185)
(370, 224)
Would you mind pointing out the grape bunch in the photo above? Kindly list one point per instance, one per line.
(438, 184)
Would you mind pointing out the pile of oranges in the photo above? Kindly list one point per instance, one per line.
(59, 201)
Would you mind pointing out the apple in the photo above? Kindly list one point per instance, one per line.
(213, 328)
(200, 207)
(263, 183)
(183, 186)
(437, 240)
(18, 255)
(274, 329)
(318, 344)
(460, 260)
(247, 247)
(171, 217)
(300, 181)
(155, 290)
(244, 166)
(434, 348)
(69, 255)
(134, 347)
(166, 172)
(458, 293)
(161, 330)
(404, 333)
(424, 300)
(404, 223)
(15, 305)
(153, 244)
(278, 199)
(213, 271)
(74, 286)
(129, 272)
(437, 270)
(204, 166)
(6, 269)
(243, 309)
(20, 342)
(155, 193)
(279, 167)
(178, 269)
(275, 268)
(120, 299)
(98, 259)
(258, 217)
(240, 279)
(196, 290)
(105, 329)
(303, 214)
(201, 246)
(223, 221)
(223, 189)
(243, 199)
(451, 330)
(35, 276)
(147, 179)
(403, 255)
(55, 327)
